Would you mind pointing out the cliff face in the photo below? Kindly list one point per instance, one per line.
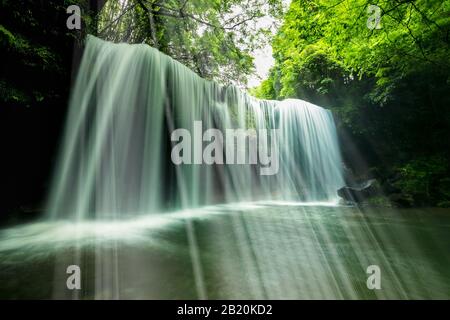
(38, 52)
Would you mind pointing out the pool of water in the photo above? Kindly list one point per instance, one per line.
(243, 251)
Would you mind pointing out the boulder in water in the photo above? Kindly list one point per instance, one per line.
(359, 193)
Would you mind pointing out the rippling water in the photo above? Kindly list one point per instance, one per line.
(245, 251)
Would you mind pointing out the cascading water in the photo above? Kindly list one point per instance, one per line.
(116, 155)
(117, 172)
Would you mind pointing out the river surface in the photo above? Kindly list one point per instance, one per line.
(243, 251)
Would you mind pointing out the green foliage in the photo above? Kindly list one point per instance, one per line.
(425, 180)
(12, 95)
(36, 50)
(214, 38)
(389, 87)
(378, 201)
(31, 55)
(413, 37)
(265, 91)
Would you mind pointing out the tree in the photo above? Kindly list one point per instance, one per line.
(389, 87)
(214, 38)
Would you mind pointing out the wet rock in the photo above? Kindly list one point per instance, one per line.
(360, 192)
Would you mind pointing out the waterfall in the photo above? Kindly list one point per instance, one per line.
(116, 155)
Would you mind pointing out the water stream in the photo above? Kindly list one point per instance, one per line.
(139, 225)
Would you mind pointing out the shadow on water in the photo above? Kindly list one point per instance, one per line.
(246, 251)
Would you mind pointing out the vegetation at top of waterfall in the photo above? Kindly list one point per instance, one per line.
(389, 87)
(214, 38)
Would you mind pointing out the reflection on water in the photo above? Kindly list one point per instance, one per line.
(253, 250)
